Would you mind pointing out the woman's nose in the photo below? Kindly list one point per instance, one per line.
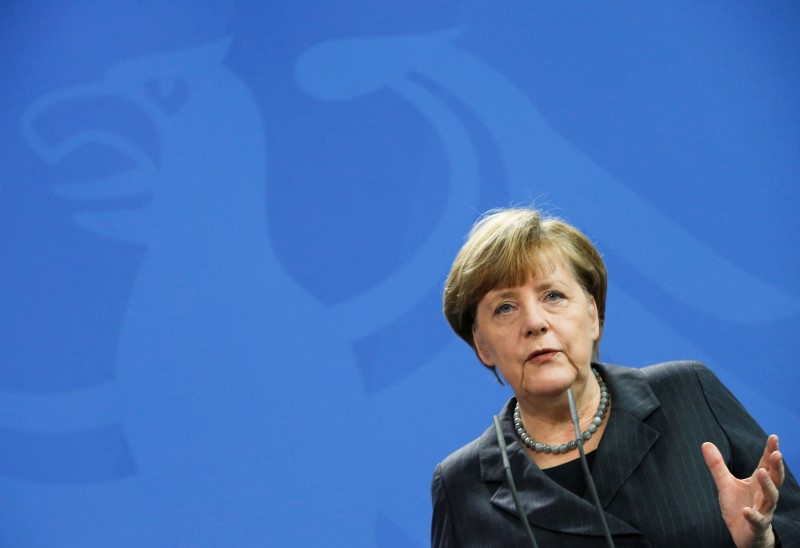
(535, 321)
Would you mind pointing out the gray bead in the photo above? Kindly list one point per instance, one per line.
(597, 421)
(587, 435)
(572, 445)
(592, 428)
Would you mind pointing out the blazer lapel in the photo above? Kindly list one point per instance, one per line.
(627, 438)
(626, 441)
(546, 504)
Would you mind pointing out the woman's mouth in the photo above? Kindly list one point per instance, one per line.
(542, 356)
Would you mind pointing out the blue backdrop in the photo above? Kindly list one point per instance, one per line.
(224, 229)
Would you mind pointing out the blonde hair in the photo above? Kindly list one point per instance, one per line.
(506, 246)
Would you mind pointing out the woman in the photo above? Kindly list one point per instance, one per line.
(528, 295)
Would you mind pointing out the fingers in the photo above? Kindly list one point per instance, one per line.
(772, 461)
(769, 490)
(777, 472)
(761, 525)
(760, 518)
(769, 448)
(756, 518)
(772, 442)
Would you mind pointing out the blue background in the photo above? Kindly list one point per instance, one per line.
(224, 229)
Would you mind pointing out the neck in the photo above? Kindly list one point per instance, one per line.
(548, 418)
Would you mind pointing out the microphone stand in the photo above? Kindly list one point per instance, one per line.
(573, 411)
(507, 466)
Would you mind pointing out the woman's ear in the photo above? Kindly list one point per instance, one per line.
(595, 316)
(480, 348)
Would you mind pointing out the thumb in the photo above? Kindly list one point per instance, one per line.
(715, 463)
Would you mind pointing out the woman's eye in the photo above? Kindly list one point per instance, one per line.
(553, 296)
(504, 308)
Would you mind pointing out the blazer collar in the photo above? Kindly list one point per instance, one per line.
(626, 440)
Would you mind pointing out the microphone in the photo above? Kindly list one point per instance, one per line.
(507, 466)
(573, 411)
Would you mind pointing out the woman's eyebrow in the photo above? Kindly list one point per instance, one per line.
(548, 282)
(503, 293)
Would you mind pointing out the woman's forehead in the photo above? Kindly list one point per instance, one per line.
(540, 265)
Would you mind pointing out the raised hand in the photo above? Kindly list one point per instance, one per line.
(747, 504)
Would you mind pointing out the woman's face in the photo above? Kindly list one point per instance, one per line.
(540, 335)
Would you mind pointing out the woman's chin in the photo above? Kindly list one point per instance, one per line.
(548, 384)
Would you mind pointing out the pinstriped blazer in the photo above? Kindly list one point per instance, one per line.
(650, 475)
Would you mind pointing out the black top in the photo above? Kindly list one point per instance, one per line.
(570, 474)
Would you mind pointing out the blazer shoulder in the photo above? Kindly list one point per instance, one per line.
(671, 371)
(463, 459)
(642, 390)
(674, 367)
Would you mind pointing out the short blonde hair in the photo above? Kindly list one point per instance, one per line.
(506, 246)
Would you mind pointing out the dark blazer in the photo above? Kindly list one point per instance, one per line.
(649, 471)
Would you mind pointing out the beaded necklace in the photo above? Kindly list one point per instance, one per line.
(540, 447)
